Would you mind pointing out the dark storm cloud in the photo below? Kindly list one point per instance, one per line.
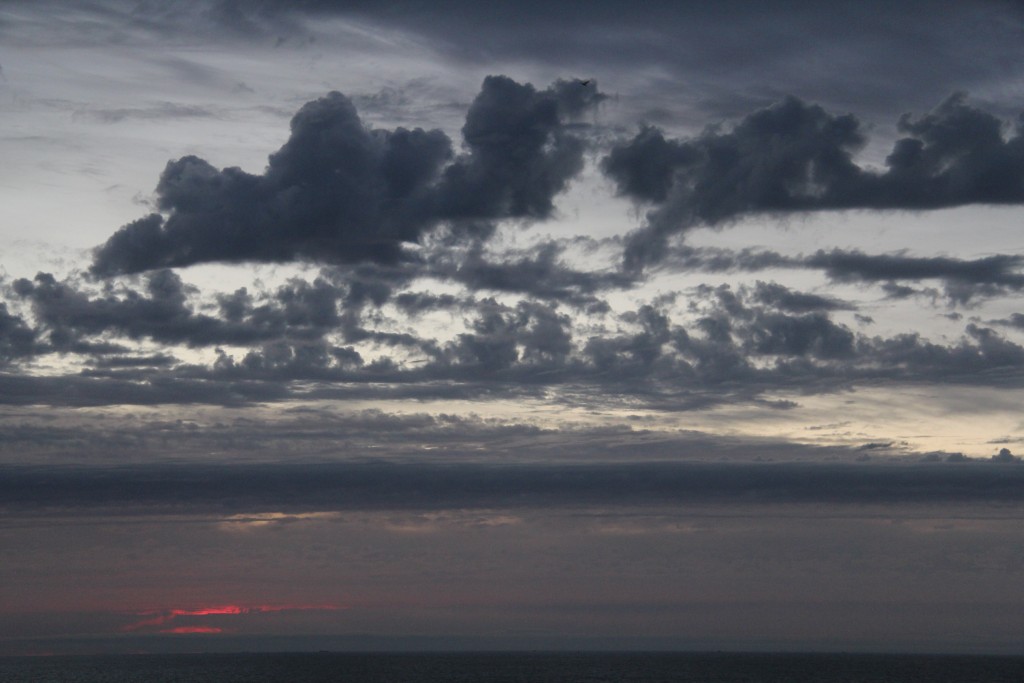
(271, 374)
(719, 56)
(779, 296)
(417, 303)
(226, 489)
(963, 280)
(797, 157)
(538, 272)
(502, 337)
(72, 314)
(856, 265)
(981, 350)
(340, 191)
(740, 330)
(331, 339)
(862, 55)
(519, 156)
(1005, 456)
(645, 168)
(156, 360)
(811, 334)
(388, 437)
(753, 324)
(1016, 320)
(335, 190)
(737, 350)
(162, 312)
(17, 339)
(718, 260)
(133, 389)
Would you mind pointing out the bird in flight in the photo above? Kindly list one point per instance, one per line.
(584, 83)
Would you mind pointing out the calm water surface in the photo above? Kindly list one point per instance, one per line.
(516, 668)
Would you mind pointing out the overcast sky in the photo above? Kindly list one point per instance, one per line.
(531, 325)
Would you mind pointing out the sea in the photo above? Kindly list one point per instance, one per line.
(518, 667)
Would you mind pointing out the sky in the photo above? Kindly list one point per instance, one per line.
(448, 325)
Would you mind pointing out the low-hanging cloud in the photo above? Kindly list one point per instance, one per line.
(339, 191)
(962, 280)
(333, 339)
(17, 339)
(226, 489)
(162, 312)
(796, 157)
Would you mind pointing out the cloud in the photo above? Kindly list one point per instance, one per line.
(417, 303)
(295, 488)
(538, 272)
(963, 279)
(732, 325)
(779, 296)
(339, 191)
(1005, 456)
(155, 360)
(162, 312)
(531, 334)
(161, 110)
(134, 388)
(1016, 320)
(796, 157)
(17, 339)
(332, 338)
(644, 169)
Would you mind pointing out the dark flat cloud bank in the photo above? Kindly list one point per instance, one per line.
(294, 488)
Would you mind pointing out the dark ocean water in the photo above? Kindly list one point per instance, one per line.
(516, 668)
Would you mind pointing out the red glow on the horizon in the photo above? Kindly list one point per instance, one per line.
(160, 617)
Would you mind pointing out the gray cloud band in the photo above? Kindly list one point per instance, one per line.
(289, 488)
(797, 157)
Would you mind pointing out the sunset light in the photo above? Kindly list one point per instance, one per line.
(161, 617)
(589, 326)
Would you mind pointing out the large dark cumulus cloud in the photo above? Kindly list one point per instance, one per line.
(340, 191)
(795, 157)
